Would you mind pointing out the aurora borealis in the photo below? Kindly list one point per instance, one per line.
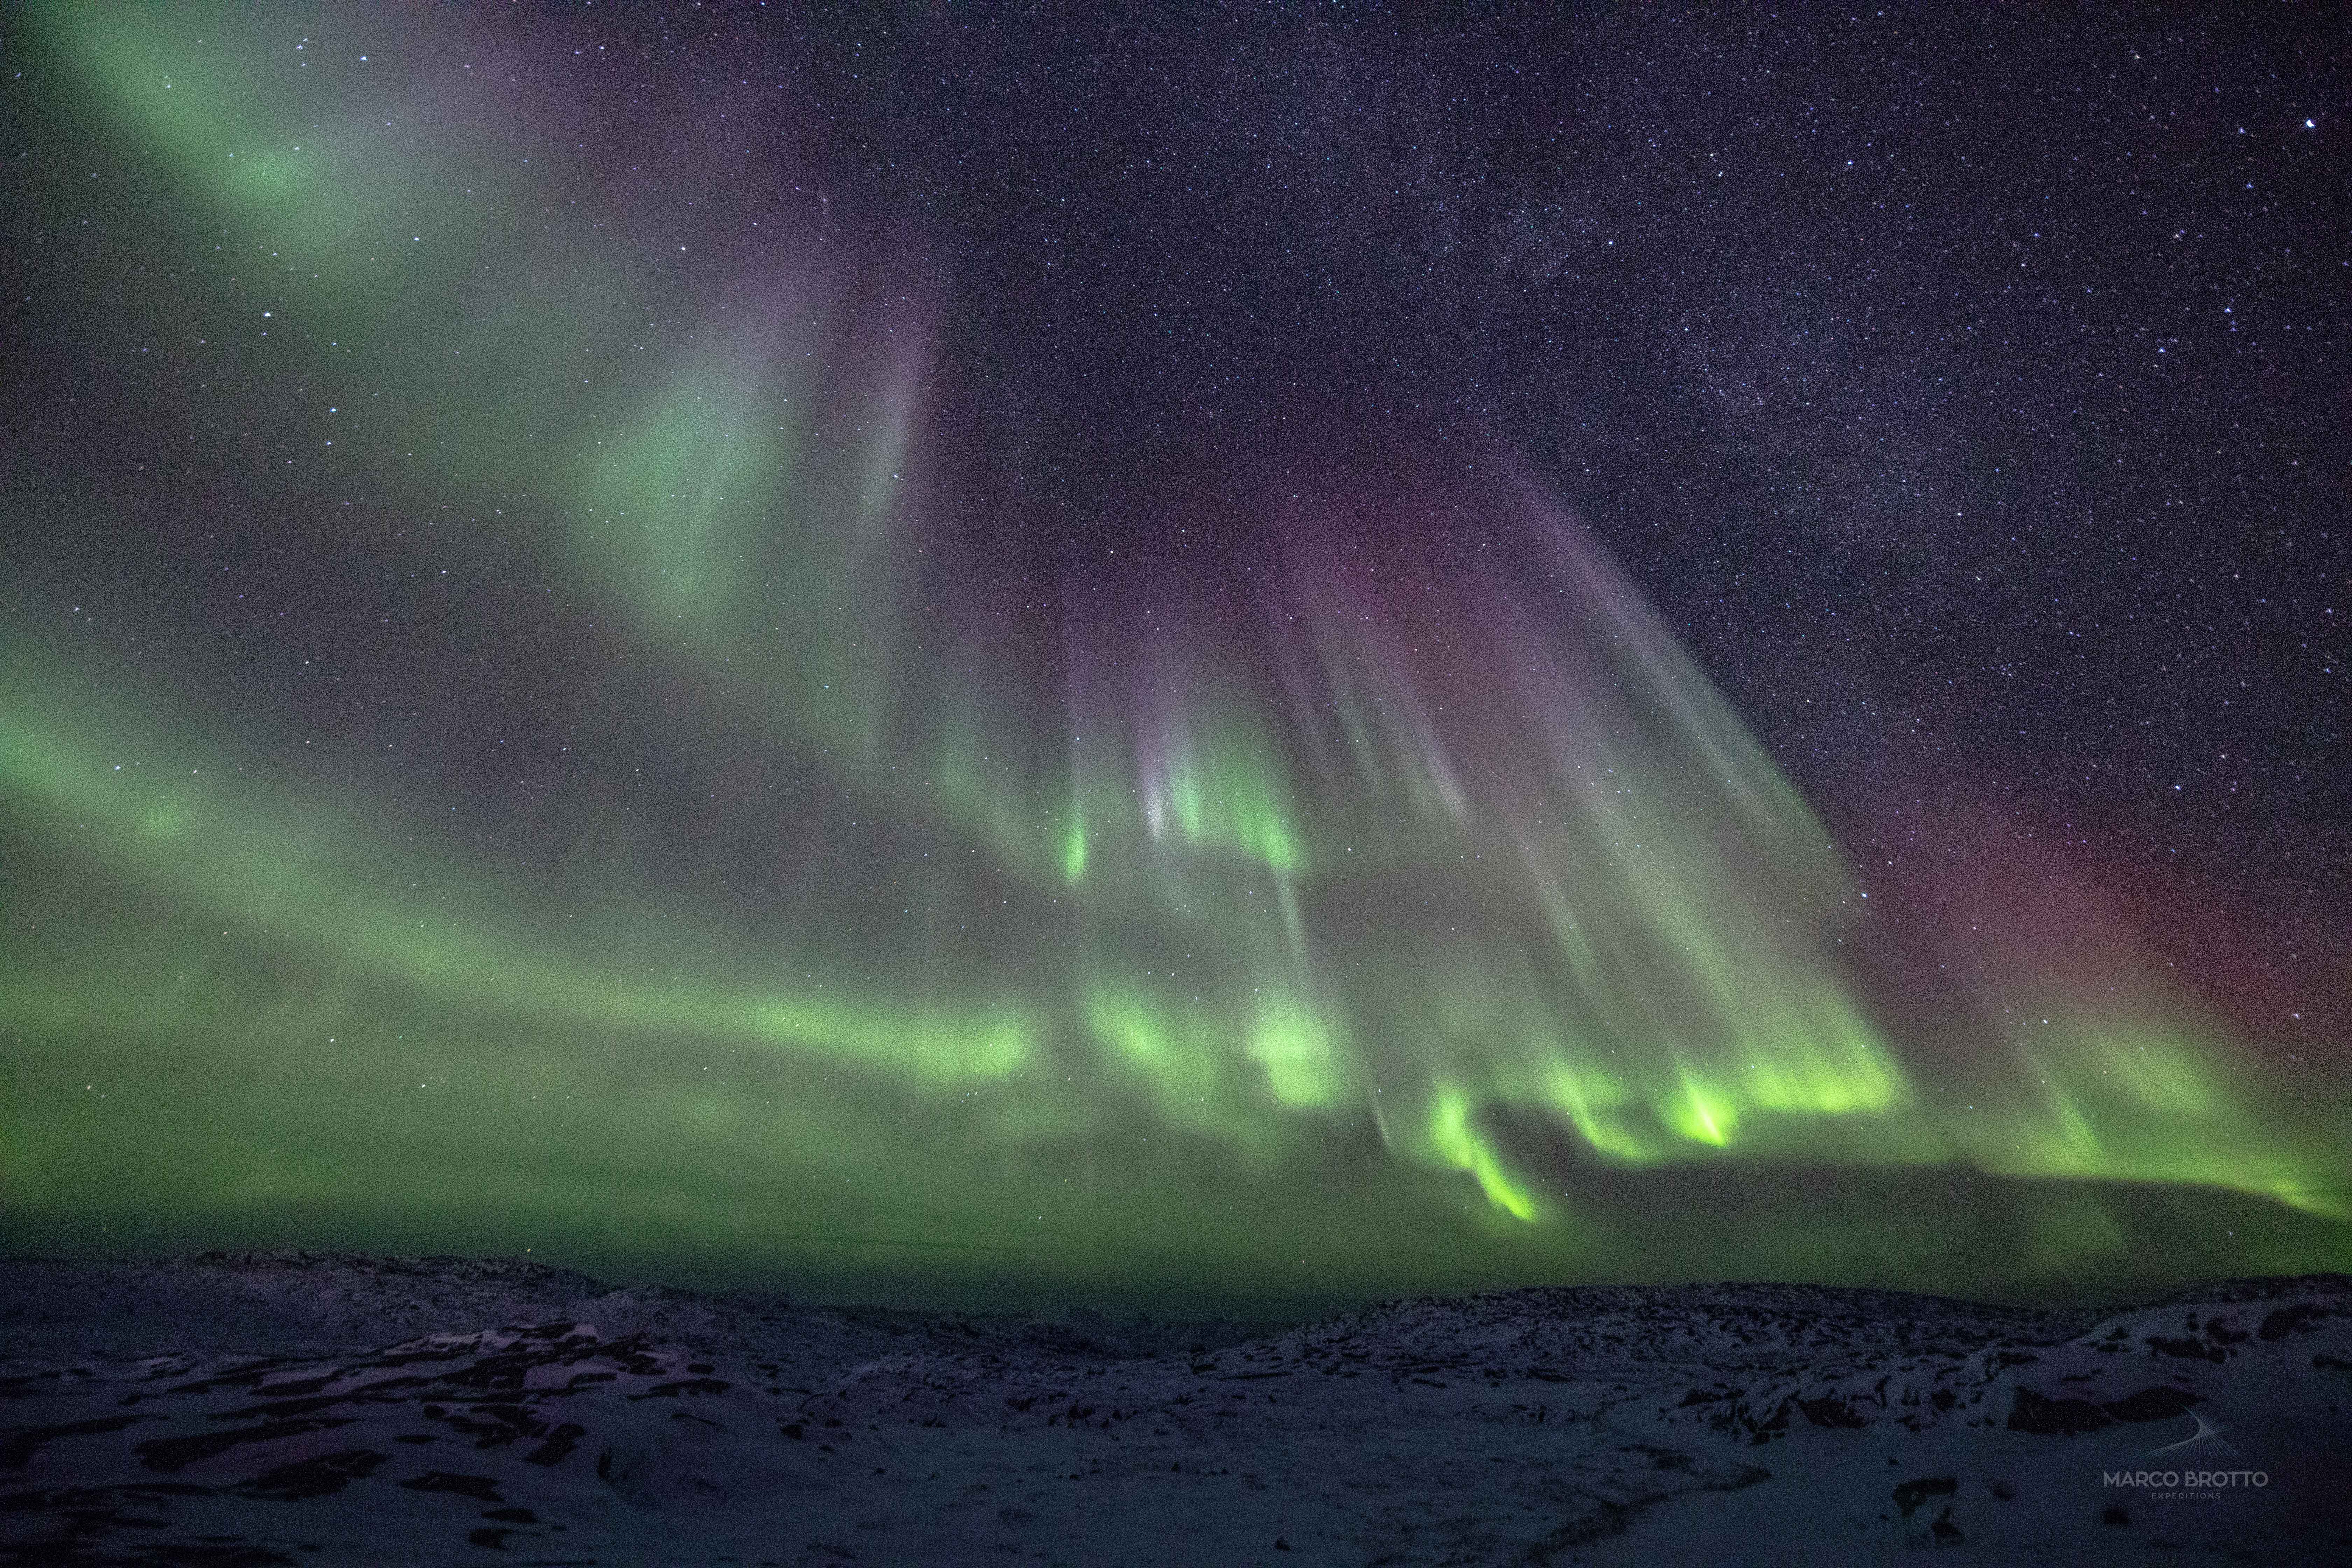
(710, 642)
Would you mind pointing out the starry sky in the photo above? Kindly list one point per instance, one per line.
(1267, 660)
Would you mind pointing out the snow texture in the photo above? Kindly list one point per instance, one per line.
(288, 1409)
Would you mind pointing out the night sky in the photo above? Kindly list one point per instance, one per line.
(1264, 656)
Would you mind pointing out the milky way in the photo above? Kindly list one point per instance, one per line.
(564, 690)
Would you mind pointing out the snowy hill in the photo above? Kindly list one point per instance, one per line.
(254, 1409)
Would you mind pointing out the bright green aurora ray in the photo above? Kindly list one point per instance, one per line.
(1394, 923)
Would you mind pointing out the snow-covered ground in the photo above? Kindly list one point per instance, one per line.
(307, 1408)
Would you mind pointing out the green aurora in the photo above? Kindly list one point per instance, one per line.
(1390, 923)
